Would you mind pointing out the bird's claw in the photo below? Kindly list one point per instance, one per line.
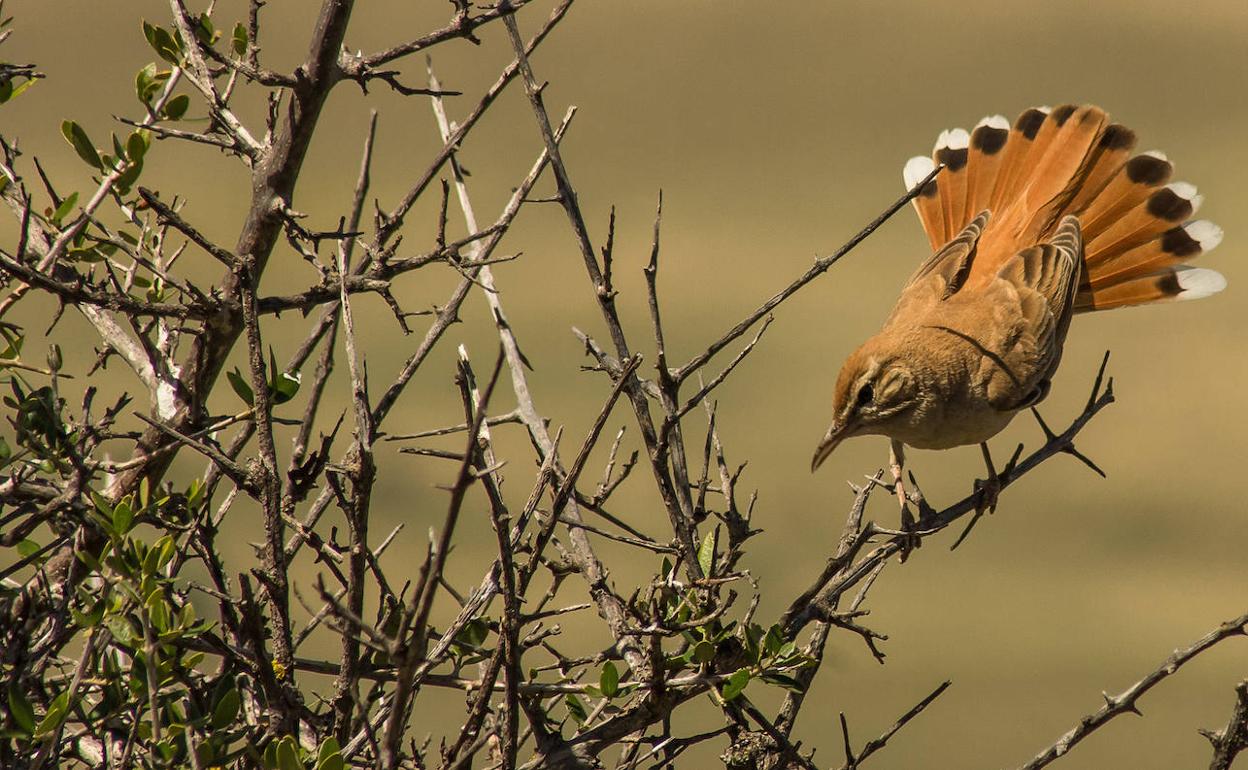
(909, 539)
(987, 492)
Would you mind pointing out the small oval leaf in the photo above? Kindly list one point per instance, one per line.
(609, 680)
(736, 683)
(81, 143)
(176, 107)
(21, 710)
(226, 710)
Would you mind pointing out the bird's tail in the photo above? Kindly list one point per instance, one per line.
(1071, 160)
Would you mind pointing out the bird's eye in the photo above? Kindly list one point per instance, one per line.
(866, 395)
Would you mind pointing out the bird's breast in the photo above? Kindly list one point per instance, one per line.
(954, 408)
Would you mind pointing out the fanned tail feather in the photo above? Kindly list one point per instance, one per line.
(1070, 160)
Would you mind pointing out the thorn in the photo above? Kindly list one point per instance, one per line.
(875, 481)
(1100, 376)
(1009, 466)
(1049, 435)
(916, 496)
(967, 531)
(1070, 449)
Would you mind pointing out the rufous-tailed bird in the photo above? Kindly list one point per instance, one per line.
(1029, 224)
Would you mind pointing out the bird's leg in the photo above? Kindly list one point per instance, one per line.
(896, 462)
(987, 490)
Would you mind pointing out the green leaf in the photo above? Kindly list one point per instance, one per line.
(158, 610)
(706, 552)
(204, 30)
(14, 341)
(774, 640)
(176, 107)
(56, 714)
(165, 548)
(283, 386)
(28, 548)
(241, 387)
(63, 210)
(22, 712)
(128, 177)
(576, 708)
(703, 651)
(226, 710)
(239, 39)
(163, 43)
(736, 683)
(137, 144)
(785, 681)
(329, 757)
(187, 618)
(473, 633)
(609, 680)
(101, 503)
(9, 92)
(123, 515)
(146, 83)
(195, 494)
(81, 143)
(288, 755)
(89, 619)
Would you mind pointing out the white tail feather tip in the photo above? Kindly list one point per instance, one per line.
(1185, 190)
(1158, 154)
(958, 139)
(994, 121)
(916, 170)
(1204, 232)
(1198, 282)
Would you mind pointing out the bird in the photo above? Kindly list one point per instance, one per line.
(1029, 223)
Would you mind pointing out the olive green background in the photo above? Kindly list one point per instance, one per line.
(775, 130)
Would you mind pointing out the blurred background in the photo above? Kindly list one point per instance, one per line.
(775, 131)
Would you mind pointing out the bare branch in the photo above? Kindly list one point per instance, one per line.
(1125, 702)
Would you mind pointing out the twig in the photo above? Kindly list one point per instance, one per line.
(819, 268)
(1230, 740)
(1125, 702)
(853, 762)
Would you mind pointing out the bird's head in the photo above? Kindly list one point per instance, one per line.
(873, 391)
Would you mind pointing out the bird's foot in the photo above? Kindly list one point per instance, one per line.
(909, 539)
(988, 490)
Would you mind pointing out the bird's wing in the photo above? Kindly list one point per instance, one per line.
(942, 274)
(1030, 302)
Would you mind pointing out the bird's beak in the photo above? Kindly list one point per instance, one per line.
(831, 440)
